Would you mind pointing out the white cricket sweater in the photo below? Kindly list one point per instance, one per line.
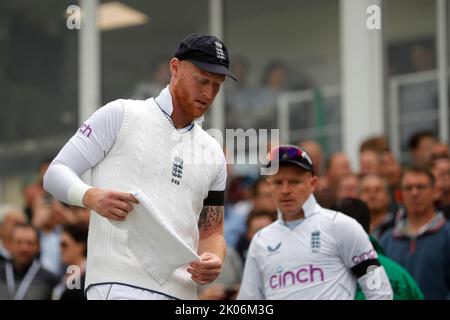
(175, 170)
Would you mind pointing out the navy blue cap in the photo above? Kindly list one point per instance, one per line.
(206, 52)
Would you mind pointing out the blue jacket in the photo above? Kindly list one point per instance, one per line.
(425, 255)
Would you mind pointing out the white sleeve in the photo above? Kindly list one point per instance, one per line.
(358, 254)
(354, 245)
(252, 285)
(376, 285)
(220, 180)
(84, 150)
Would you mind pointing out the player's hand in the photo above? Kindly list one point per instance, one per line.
(205, 270)
(109, 204)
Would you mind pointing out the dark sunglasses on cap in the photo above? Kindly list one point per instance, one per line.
(291, 154)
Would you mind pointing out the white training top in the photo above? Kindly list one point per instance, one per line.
(314, 260)
(93, 140)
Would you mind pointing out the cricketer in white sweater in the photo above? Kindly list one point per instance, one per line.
(133, 145)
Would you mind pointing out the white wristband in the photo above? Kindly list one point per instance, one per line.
(76, 193)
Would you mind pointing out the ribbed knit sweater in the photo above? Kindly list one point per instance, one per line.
(175, 171)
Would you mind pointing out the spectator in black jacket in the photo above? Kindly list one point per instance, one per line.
(22, 277)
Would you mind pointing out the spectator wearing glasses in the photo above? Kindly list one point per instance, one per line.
(402, 283)
(23, 277)
(420, 242)
(309, 252)
(441, 172)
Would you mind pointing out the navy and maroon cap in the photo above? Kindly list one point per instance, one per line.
(284, 154)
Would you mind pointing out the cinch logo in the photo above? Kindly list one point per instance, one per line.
(85, 129)
(303, 275)
(364, 256)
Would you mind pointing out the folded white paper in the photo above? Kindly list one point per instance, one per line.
(154, 243)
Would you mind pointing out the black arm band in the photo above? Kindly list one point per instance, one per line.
(361, 268)
(214, 198)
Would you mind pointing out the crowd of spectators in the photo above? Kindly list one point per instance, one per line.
(407, 208)
(43, 247)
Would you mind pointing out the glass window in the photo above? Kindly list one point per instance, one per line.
(410, 36)
(275, 54)
(38, 80)
(135, 58)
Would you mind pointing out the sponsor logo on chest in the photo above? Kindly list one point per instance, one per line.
(296, 276)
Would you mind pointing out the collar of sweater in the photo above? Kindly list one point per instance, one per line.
(310, 207)
(164, 101)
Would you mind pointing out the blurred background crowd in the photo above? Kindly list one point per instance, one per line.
(55, 234)
(288, 56)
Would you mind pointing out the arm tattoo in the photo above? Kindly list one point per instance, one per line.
(210, 217)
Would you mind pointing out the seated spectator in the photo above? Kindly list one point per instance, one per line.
(45, 218)
(160, 77)
(392, 172)
(348, 187)
(9, 217)
(260, 199)
(67, 214)
(440, 150)
(421, 241)
(421, 146)
(315, 151)
(376, 158)
(375, 192)
(376, 143)
(23, 277)
(239, 94)
(403, 285)
(73, 255)
(275, 76)
(370, 162)
(441, 172)
(81, 215)
(255, 222)
(36, 189)
(422, 58)
(336, 166)
(274, 81)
